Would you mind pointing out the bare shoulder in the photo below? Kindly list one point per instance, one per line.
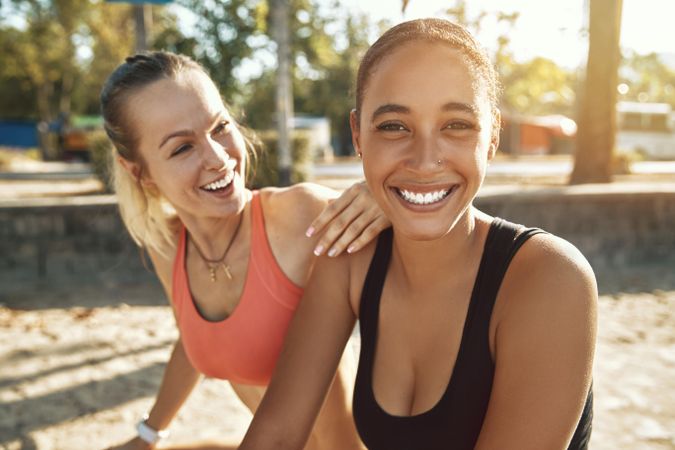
(341, 277)
(548, 281)
(542, 339)
(298, 204)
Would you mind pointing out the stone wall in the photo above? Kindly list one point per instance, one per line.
(82, 239)
(65, 240)
(615, 227)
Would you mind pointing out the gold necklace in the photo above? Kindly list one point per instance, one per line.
(213, 264)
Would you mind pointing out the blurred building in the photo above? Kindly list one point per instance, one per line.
(647, 129)
(317, 131)
(537, 135)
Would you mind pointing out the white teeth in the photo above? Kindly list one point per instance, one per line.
(219, 184)
(423, 199)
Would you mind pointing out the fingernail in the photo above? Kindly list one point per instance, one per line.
(351, 249)
(309, 232)
(318, 250)
(332, 252)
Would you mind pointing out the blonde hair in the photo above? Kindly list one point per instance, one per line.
(150, 219)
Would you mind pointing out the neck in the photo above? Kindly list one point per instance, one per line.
(421, 264)
(212, 235)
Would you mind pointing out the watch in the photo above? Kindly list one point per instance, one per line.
(149, 434)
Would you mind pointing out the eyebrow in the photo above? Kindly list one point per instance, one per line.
(178, 133)
(450, 106)
(458, 106)
(388, 108)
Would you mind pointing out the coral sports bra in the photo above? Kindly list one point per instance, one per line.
(244, 347)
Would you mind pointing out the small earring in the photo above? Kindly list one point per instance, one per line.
(360, 155)
(439, 163)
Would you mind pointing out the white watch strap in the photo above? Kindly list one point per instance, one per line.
(149, 434)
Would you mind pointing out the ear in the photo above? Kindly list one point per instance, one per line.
(134, 169)
(356, 130)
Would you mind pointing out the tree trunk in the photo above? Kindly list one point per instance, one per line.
(597, 113)
(284, 90)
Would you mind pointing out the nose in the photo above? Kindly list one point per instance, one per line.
(425, 154)
(214, 154)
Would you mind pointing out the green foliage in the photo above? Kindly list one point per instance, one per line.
(224, 37)
(648, 79)
(534, 87)
(326, 66)
(43, 54)
(333, 95)
(622, 161)
(56, 63)
(538, 87)
(264, 172)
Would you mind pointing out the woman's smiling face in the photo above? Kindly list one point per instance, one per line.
(192, 150)
(425, 133)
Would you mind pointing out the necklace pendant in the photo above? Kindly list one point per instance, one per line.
(212, 273)
(226, 268)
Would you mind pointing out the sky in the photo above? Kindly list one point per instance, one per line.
(548, 28)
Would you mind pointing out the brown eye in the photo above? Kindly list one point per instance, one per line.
(459, 125)
(181, 149)
(391, 126)
(221, 128)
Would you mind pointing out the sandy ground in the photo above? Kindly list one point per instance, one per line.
(79, 365)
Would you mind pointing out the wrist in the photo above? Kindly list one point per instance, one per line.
(140, 444)
(148, 434)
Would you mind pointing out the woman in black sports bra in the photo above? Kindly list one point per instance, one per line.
(476, 333)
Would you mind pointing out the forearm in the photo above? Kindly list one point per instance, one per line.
(178, 381)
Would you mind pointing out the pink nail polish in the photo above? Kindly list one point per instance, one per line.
(318, 250)
(332, 252)
(351, 249)
(309, 232)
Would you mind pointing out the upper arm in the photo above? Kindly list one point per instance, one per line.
(305, 369)
(544, 345)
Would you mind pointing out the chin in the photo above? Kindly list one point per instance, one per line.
(423, 230)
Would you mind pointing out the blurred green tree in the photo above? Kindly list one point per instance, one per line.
(59, 52)
(327, 49)
(535, 87)
(647, 78)
(43, 53)
(225, 35)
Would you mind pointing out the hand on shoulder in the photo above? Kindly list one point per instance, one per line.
(335, 225)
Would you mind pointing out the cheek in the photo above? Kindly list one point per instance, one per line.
(236, 148)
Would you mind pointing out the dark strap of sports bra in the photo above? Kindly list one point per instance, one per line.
(503, 242)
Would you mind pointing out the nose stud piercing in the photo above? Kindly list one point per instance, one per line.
(439, 162)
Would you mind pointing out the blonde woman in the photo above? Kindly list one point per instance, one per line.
(233, 261)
